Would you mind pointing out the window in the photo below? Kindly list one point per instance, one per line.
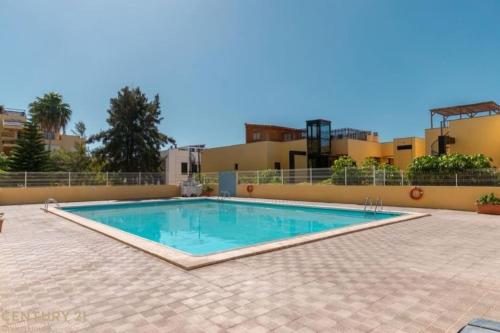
(277, 165)
(256, 136)
(184, 168)
(194, 168)
(235, 166)
(405, 147)
(287, 137)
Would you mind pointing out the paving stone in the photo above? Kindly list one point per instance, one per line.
(427, 275)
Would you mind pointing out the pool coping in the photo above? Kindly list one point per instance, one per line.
(190, 262)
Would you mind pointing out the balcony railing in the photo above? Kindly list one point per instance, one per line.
(14, 112)
(6, 134)
(13, 124)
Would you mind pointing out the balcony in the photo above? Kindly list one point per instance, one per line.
(14, 112)
(8, 135)
(8, 142)
(14, 124)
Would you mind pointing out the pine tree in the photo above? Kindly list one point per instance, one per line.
(29, 154)
(133, 141)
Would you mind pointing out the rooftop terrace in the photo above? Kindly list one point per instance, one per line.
(467, 110)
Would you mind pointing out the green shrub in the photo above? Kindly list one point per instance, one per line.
(442, 170)
(339, 168)
(207, 188)
(270, 176)
(449, 163)
(489, 199)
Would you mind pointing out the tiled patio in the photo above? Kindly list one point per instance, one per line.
(427, 275)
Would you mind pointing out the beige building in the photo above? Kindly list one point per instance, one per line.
(292, 154)
(11, 124)
(466, 129)
(256, 156)
(180, 163)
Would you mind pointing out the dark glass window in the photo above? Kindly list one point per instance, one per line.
(194, 168)
(277, 165)
(325, 138)
(405, 147)
(184, 168)
(235, 166)
(318, 143)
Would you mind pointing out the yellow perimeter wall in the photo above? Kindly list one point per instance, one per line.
(16, 196)
(444, 197)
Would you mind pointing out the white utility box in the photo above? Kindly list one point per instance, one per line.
(191, 188)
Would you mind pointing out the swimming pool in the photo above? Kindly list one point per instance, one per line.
(202, 227)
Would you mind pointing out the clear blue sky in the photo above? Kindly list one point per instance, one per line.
(369, 64)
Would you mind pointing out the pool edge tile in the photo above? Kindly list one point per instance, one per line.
(190, 262)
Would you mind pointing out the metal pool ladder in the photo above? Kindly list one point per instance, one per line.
(48, 202)
(224, 194)
(370, 208)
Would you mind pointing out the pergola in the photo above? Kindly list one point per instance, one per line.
(467, 111)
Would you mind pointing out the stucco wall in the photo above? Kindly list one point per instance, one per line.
(297, 145)
(67, 142)
(252, 156)
(472, 136)
(359, 150)
(387, 149)
(403, 158)
(12, 196)
(431, 135)
(477, 135)
(444, 197)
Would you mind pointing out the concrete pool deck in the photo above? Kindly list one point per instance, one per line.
(431, 274)
(189, 262)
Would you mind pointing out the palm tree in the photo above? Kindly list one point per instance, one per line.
(51, 113)
(80, 129)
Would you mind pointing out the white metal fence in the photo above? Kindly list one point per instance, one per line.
(347, 176)
(358, 176)
(39, 179)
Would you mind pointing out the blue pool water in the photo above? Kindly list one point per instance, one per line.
(202, 227)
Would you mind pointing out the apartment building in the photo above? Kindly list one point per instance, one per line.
(467, 129)
(11, 124)
(316, 146)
